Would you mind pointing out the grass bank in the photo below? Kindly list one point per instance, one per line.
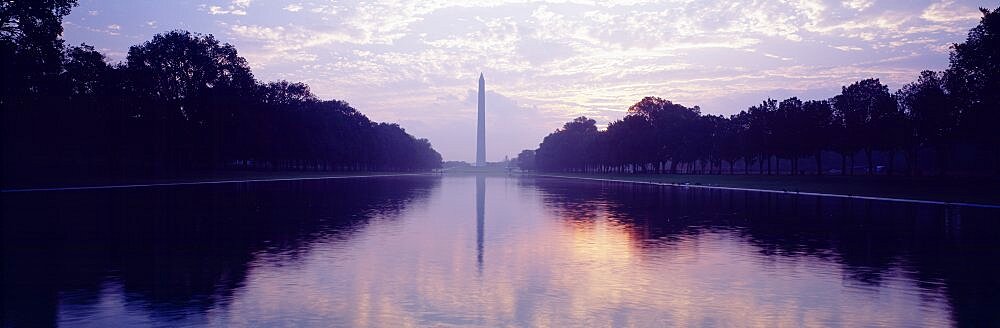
(947, 189)
(194, 177)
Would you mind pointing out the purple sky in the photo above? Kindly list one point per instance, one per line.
(416, 62)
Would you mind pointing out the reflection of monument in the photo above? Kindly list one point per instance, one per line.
(481, 131)
(480, 218)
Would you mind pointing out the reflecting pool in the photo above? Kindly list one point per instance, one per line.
(490, 251)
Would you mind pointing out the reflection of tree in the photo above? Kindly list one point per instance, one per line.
(936, 246)
(175, 251)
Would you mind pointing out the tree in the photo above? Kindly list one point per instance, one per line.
(31, 55)
(567, 148)
(973, 78)
(85, 70)
(746, 148)
(285, 93)
(176, 67)
(710, 134)
(187, 87)
(760, 131)
(730, 142)
(670, 123)
(931, 117)
(819, 127)
(526, 160)
(31, 47)
(632, 141)
(186, 101)
(789, 121)
(866, 108)
(931, 112)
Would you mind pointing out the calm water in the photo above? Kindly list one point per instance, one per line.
(494, 251)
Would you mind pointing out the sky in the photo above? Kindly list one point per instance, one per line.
(416, 63)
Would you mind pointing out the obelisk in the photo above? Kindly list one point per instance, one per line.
(481, 132)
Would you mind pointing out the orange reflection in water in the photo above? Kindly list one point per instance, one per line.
(538, 266)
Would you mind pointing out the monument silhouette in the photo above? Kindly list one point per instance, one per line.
(481, 131)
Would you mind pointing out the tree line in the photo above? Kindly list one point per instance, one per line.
(938, 115)
(181, 101)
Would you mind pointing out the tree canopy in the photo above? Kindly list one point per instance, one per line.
(181, 101)
(938, 113)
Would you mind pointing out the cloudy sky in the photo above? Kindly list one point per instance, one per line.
(416, 62)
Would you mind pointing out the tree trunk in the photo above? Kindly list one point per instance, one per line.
(871, 166)
(892, 160)
(996, 160)
(942, 153)
(852, 164)
(843, 164)
(819, 162)
(768, 164)
(909, 156)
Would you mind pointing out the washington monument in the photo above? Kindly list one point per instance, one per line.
(481, 132)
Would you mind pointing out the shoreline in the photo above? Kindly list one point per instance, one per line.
(638, 180)
(733, 183)
(205, 181)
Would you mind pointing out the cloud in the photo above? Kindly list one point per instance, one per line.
(848, 48)
(111, 29)
(940, 48)
(858, 4)
(947, 11)
(286, 43)
(776, 57)
(235, 7)
(414, 62)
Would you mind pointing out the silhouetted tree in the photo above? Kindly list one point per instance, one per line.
(761, 131)
(936, 111)
(973, 78)
(866, 108)
(671, 127)
(180, 101)
(819, 128)
(526, 160)
(567, 148)
(931, 118)
(789, 133)
(729, 142)
(710, 134)
(31, 47)
(631, 142)
(746, 148)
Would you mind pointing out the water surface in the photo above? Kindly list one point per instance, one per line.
(490, 251)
